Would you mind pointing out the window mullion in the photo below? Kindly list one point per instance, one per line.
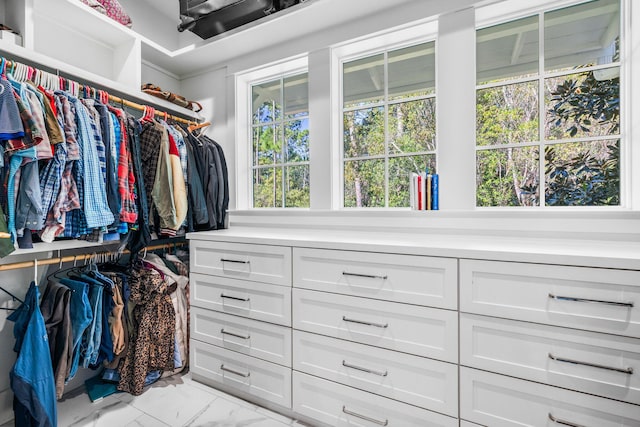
(386, 129)
(541, 113)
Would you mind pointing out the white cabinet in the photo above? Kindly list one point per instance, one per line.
(410, 279)
(411, 329)
(601, 364)
(404, 339)
(248, 299)
(251, 337)
(501, 401)
(264, 380)
(552, 344)
(596, 299)
(241, 318)
(427, 383)
(258, 263)
(336, 405)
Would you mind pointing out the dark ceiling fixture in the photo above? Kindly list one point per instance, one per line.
(208, 18)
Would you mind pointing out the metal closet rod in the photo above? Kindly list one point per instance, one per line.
(117, 99)
(82, 257)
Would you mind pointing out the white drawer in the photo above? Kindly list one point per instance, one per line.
(499, 401)
(591, 362)
(341, 406)
(254, 338)
(526, 292)
(248, 299)
(412, 279)
(464, 423)
(424, 331)
(259, 263)
(427, 383)
(262, 379)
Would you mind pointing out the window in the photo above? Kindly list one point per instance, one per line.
(389, 124)
(548, 109)
(280, 142)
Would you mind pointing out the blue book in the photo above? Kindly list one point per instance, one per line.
(434, 192)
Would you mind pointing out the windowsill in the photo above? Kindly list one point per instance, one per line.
(603, 225)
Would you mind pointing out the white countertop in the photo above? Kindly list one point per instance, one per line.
(592, 253)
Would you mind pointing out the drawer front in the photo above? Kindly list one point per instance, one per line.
(247, 299)
(591, 362)
(499, 401)
(337, 405)
(251, 337)
(262, 379)
(412, 279)
(423, 331)
(258, 263)
(595, 299)
(427, 383)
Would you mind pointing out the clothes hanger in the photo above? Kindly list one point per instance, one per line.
(198, 126)
(15, 298)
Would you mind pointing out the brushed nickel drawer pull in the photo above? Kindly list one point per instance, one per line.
(237, 261)
(628, 370)
(364, 417)
(367, 370)
(362, 322)
(235, 298)
(233, 371)
(563, 422)
(233, 334)
(596, 301)
(368, 276)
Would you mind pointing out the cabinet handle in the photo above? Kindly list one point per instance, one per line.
(364, 417)
(367, 370)
(563, 422)
(369, 276)
(597, 301)
(233, 371)
(237, 261)
(628, 370)
(235, 298)
(233, 334)
(362, 322)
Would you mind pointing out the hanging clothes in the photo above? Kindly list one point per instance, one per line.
(180, 306)
(152, 345)
(32, 380)
(55, 307)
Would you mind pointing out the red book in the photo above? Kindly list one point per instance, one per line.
(420, 195)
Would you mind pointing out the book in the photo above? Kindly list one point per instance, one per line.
(429, 179)
(420, 192)
(435, 183)
(413, 180)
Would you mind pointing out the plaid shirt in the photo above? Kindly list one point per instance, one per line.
(96, 209)
(126, 177)
(32, 134)
(150, 138)
(43, 148)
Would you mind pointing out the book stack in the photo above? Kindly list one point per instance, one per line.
(423, 191)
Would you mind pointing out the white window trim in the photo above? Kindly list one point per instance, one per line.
(423, 32)
(510, 10)
(326, 123)
(243, 83)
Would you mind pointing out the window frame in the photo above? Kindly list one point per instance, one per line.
(508, 11)
(243, 83)
(279, 124)
(416, 34)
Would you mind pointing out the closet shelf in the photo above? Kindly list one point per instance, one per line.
(29, 57)
(83, 19)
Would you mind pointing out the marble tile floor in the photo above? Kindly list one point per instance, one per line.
(175, 401)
